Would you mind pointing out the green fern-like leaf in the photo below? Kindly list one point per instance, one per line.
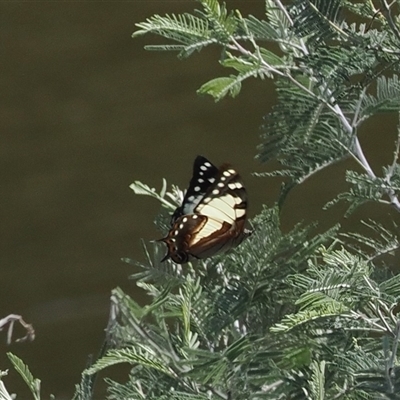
(364, 189)
(143, 356)
(4, 395)
(317, 383)
(220, 87)
(312, 16)
(224, 23)
(26, 375)
(387, 98)
(175, 195)
(381, 242)
(193, 33)
(327, 308)
(302, 136)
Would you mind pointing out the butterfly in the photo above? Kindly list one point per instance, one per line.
(212, 216)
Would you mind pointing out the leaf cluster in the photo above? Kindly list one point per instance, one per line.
(286, 315)
(331, 74)
(202, 334)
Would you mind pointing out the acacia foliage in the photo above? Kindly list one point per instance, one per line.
(297, 315)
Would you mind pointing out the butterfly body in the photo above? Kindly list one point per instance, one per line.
(212, 216)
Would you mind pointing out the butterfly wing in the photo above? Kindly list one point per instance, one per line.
(204, 175)
(212, 216)
(225, 206)
(180, 237)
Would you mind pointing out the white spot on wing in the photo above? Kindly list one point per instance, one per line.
(197, 189)
(184, 219)
(240, 212)
(238, 200)
(211, 180)
(207, 164)
(203, 167)
(215, 191)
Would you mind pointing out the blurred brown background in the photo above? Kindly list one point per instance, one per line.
(84, 112)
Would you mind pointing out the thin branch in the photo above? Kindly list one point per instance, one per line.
(392, 168)
(395, 344)
(287, 75)
(388, 15)
(282, 8)
(358, 107)
(368, 320)
(330, 23)
(391, 361)
(360, 155)
(351, 153)
(382, 318)
(11, 319)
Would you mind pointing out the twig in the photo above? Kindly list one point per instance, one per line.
(368, 320)
(387, 14)
(10, 320)
(358, 107)
(391, 361)
(392, 168)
